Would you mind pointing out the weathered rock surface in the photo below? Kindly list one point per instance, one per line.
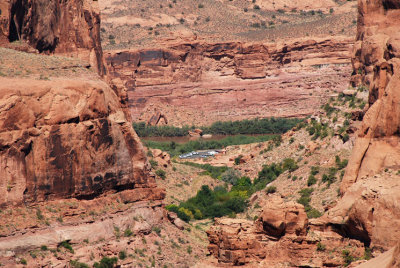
(370, 211)
(389, 259)
(376, 64)
(281, 237)
(71, 28)
(203, 83)
(66, 138)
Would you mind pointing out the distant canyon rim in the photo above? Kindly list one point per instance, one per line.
(202, 83)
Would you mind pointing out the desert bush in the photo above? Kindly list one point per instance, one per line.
(311, 180)
(230, 176)
(65, 244)
(271, 189)
(106, 262)
(161, 173)
(122, 255)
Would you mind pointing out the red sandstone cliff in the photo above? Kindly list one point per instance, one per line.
(67, 137)
(202, 83)
(71, 28)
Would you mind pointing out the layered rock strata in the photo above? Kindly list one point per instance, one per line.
(66, 138)
(203, 83)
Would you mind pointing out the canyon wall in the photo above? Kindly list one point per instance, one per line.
(377, 64)
(68, 137)
(70, 28)
(203, 83)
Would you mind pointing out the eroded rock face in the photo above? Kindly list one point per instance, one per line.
(281, 237)
(370, 211)
(202, 83)
(67, 138)
(376, 64)
(71, 28)
(279, 218)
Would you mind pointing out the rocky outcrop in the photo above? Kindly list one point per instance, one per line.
(70, 28)
(377, 65)
(281, 237)
(67, 138)
(389, 259)
(203, 83)
(370, 211)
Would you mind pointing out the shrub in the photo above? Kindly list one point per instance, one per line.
(43, 248)
(77, 264)
(305, 198)
(237, 159)
(314, 170)
(128, 232)
(256, 7)
(153, 163)
(23, 261)
(289, 164)
(330, 177)
(367, 254)
(39, 214)
(122, 255)
(106, 262)
(271, 189)
(185, 214)
(311, 180)
(347, 257)
(200, 6)
(157, 230)
(65, 244)
(340, 164)
(230, 176)
(160, 173)
(321, 247)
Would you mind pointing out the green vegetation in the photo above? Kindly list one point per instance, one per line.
(254, 126)
(77, 264)
(65, 244)
(122, 255)
(321, 247)
(271, 189)
(160, 173)
(317, 130)
(347, 257)
(330, 177)
(237, 159)
(311, 180)
(180, 148)
(231, 176)
(212, 171)
(220, 202)
(305, 198)
(128, 233)
(106, 263)
(212, 203)
(339, 163)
